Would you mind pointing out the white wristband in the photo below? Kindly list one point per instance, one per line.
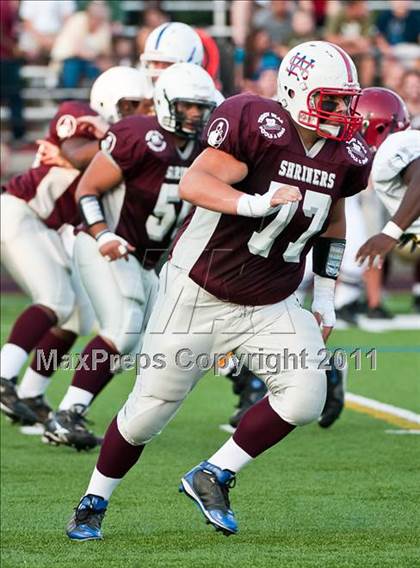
(255, 205)
(106, 237)
(392, 230)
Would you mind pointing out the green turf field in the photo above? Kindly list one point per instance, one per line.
(349, 496)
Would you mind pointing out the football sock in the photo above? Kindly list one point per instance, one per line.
(116, 458)
(48, 355)
(101, 485)
(260, 428)
(96, 357)
(12, 359)
(230, 456)
(27, 331)
(74, 395)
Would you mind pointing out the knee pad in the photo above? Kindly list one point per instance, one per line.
(125, 329)
(301, 403)
(63, 310)
(144, 417)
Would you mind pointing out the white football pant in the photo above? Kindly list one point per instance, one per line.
(189, 328)
(36, 258)
(122, 293)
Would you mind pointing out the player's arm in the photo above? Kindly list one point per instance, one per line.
(102, 175)
(327, 252)
(79, 151)
(208, 184)
(378, 246)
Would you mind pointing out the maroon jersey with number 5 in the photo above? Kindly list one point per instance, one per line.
(145, 209)
(257, 261)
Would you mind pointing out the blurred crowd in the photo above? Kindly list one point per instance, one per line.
(78, 40)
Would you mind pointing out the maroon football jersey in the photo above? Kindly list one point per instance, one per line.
(49, 190)
(146, 209)
(257, 261)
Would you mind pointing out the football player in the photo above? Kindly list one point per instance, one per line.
(395, 171)
(130, 205)
(168, 44)
(269, 187)
(38, 213)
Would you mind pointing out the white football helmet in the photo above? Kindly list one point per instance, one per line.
(188, 83)
(309, 75)
(172, 42)
(113, 85)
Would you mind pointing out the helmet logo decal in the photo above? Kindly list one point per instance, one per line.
(271, 125)
(155, 140)
(66, 126)
(217, 132)
(299, 66)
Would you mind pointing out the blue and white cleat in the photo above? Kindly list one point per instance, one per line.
(208, 486)
(86, 521)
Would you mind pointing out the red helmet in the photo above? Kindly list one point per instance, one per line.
(383, 112)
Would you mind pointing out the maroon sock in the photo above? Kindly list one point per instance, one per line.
(50, 351)
(260, 428)
(30, 327)
(117, 456)
(97, 372)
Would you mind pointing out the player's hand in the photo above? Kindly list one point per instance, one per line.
(49, 154)
(323, 304)
(94, 125)
(375, 250)
(285, 194)
(112, 247)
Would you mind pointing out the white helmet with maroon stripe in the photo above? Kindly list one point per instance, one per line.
(310, 76)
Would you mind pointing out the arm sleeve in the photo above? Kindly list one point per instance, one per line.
(228, 130)
(356, 179)
(124, 144)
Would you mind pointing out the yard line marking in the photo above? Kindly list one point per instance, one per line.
(386, 412)
(402, 432)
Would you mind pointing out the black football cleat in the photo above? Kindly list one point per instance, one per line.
(39, 407)
(12, 406)
(68, 428)
(334, 403)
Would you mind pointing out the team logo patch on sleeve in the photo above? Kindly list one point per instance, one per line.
(357, 151)
(108, 143)
(271, 125)
(155, 140)
(217, 132)
(66, 126)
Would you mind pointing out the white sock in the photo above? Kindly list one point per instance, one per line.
(74, 395)
(101, 485)
(33, 384)
(230, 456)
(345, 294)
(12, 359)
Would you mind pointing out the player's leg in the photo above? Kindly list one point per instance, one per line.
(157, 395)
(34, 256)
(287, 356)
(119, 293)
